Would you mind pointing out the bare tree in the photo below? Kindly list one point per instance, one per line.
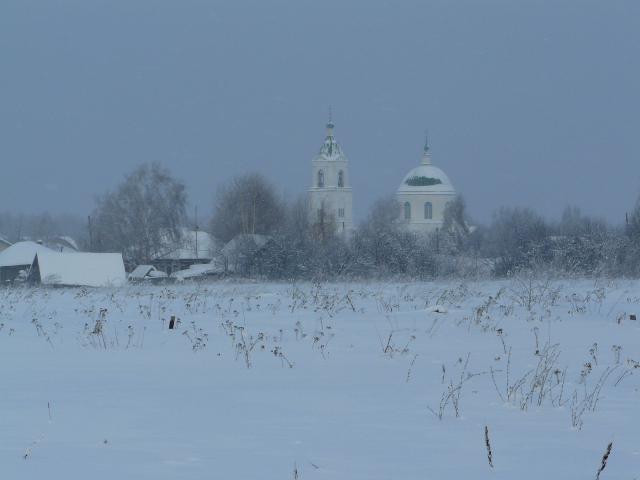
(249, 205)
(455, 220)
(518, 239)
(383, 247)
(142, 215)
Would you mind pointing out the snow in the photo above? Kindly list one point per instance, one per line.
(140, 272)
(146, 271)
(21, 253)
(99, 386)
(216, 266)
(81, 269)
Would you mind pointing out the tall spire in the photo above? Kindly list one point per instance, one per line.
(330, 124)
(330, 148)
(426, 154)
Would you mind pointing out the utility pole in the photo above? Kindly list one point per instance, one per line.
(90, 234)
(196, 219)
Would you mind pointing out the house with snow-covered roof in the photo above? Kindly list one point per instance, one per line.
(193, 247)
(78, 269)
(146, 272)
(16, 260)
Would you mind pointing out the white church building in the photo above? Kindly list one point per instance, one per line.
(422, 195)
(330, 196)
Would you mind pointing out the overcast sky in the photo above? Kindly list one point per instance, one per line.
(530, 103)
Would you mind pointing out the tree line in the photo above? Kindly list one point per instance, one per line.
(149, 209)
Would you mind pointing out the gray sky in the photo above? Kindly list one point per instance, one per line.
(527, 102)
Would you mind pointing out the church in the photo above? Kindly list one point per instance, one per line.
(330, 196)
(422, 195)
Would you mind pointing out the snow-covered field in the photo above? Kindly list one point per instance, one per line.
(331, 381)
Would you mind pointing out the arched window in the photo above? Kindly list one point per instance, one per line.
(407, 211)
(341, 178)
(428, 211)
(320, 179)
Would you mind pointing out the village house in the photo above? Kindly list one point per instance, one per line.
(16, 260)
(77, 269)
(194, 247)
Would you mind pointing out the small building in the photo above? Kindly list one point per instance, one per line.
(194, 247)
(215, 267)
(78, 269)
(146, 272)
(423, 196)
(18, 258)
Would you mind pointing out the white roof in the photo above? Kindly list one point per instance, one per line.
(21, 253)
(141, 271)
(199, 270)
(185, 248)
(81, 269)
(427, 170)
(146, 271)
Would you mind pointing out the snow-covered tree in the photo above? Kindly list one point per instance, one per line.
(517, 239)
(248, 205)
(144, 213)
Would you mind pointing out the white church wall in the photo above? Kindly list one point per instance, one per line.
(417, 222)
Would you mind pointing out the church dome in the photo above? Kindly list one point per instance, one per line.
(426, 178)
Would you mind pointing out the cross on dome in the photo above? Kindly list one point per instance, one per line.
(426, 155)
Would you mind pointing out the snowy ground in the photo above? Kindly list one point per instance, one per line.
(336, 381)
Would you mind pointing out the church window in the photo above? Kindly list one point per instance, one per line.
(320, 179)
(428, 211)
(341, 178)
(407, 211)
(341, 213)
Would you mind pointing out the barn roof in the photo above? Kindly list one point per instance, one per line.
(21, 253)
(80, 269)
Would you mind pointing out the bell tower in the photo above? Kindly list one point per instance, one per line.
(330, 196)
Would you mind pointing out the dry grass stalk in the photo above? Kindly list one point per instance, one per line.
(488, 445)
(605, 457)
